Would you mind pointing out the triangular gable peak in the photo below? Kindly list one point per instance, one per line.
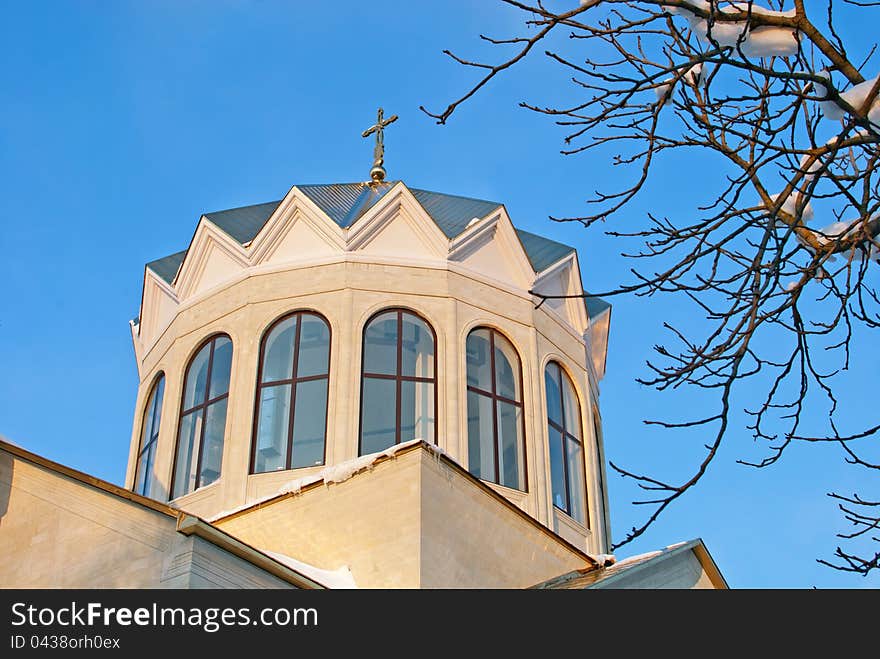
(391, 223)
(596, 338)
(397, 226)
(158, 307)
(213, 257)
(297, 230)
(491, 247)
(564, 278)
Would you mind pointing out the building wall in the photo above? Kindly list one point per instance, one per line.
(56, 532)
(469, 540)
(369, 523)
(347, 293)
(408, 522)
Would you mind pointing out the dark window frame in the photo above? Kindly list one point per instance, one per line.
(154, 431)
(212, 340)
(568, 437)
(495, 397)
(397, 377)
(292, 381)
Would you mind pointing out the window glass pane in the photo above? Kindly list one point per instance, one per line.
(557, 469)
(314, 347)
(221, 367)
(148, 428)
(380, 344)
(572, 408)
(157, 406)
(481, 436)
(576, 487)
(506, 369)
(272, 425)
(417, 351)
(479, 365)
(278, 351)
(309, 423)
(150, 482)
(187, 454)
(197, 378)
(416, 411)
(213, 446)
(143, 469)
(554, 396)
(378, 415)
(154, 412)
(151, 415)
(510, 446)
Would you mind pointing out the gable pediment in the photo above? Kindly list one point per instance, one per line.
(563, 279)
(397, 226)
(323, 223)
(213, 257)
(490, 246)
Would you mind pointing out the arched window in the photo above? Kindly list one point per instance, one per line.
(566, 445)
(494, 410)
(202, 417)
(145, 481)
(291, 420)
(398, 382)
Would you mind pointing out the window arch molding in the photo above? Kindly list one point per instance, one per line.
(277, 398)
(390, 304)
(145, 482)
(378, 383)
(565, 429)
(202, 411)
(494, 398)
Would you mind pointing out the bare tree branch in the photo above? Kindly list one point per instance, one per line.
(778, 98)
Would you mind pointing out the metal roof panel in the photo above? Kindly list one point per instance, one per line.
(167, 266)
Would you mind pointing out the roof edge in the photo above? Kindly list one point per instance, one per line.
(188, 524)
(87, 479)
(444, 457)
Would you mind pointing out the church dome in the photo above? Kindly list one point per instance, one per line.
(300, 336)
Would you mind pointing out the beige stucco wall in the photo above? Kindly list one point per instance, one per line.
(411, 521)
(470, 540)
(56, 532)
(369, 523)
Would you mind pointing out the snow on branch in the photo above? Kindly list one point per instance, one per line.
(768, 106)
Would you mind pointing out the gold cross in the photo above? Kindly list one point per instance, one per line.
(377, 173)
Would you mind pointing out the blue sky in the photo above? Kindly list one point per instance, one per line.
(120, 123)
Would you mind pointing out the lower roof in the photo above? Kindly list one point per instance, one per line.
(606, 575)
(185, 523)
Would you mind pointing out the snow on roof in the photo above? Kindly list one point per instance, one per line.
(332, 474)
(339, 578)
(603, 560)
(609, 568)
(640, 558)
